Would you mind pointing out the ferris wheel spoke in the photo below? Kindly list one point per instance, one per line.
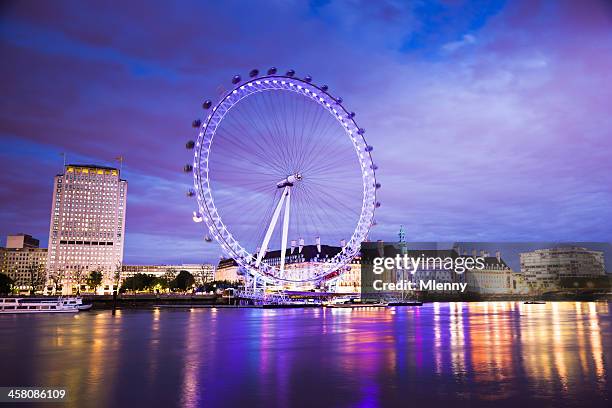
(261, 138)
(244, 156)
(277, 116)
(326, 204)
(267, 149)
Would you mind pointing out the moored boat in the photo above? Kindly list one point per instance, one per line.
(415, 303)
(25, 305)
(355, 305)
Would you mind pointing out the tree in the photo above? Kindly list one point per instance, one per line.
(36, 277)
(6, 284)
(78, 277)
(94, 279)
(205, 274)
(214, 285)
(183, 281)
(165, 281)
(138, 282)
(117, 275)
(56, 279)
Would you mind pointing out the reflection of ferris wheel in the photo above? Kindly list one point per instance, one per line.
(278, 164)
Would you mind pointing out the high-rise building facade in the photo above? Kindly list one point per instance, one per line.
(24, 262)
(87, 227)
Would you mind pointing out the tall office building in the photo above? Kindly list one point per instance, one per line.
(87, 227)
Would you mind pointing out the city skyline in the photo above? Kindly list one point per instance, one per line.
(527, 78)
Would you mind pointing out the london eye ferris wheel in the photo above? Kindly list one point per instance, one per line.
(280, 163)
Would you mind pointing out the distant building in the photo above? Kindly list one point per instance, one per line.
(301, 262)
(432, 272)
(544, 268)
(496, 278)
(24, 262)
(87, 226)
(201, 272)
(21, 241)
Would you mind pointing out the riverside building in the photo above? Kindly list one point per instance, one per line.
(301, 261)
(201, 272)
(545, 268)
(87, 227)
(496, 278)
(24, 262)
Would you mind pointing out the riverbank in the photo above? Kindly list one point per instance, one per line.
(186, 301)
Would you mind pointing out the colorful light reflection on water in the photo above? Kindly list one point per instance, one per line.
(500, 354)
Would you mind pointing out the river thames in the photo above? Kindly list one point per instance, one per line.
(457, 354)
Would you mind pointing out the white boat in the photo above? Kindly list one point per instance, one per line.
(25, 305)
(84, 307)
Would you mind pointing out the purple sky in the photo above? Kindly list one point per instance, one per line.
(490, 120)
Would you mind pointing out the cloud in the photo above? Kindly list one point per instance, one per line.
(467, 39)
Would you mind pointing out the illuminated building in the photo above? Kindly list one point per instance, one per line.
(301, 261)
(24, 262)
(544, 268)
(201, 272)
(496, 278)
(87, 226)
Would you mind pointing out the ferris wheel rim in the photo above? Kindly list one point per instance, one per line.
(206, 205)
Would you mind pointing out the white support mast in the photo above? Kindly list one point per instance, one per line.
(285, 233)
(266, 241)
(286, 185)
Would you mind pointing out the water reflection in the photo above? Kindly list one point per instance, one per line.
(477, 353)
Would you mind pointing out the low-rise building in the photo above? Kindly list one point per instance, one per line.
(301, 264)
(544, 268)
(24, 262)
(496, 278)
(201, 272)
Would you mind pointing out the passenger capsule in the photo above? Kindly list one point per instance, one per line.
(374, 167)
(254, 73)
(339, 100)
(207, 238)
(190, 192)
(369, 148)
(196, 123)
(290, 73)
(272, 71)
(308, 78)
(351, 115)
(190, 144)
(188, 168)
(378, 204)
(377, 185)
(236, 79)
(361, 131)
(324, 88)
(207, 104)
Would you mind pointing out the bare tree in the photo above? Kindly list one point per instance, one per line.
(56, 279)
(117, 275)
(170, 274)
(79, 277)
(36, 277)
